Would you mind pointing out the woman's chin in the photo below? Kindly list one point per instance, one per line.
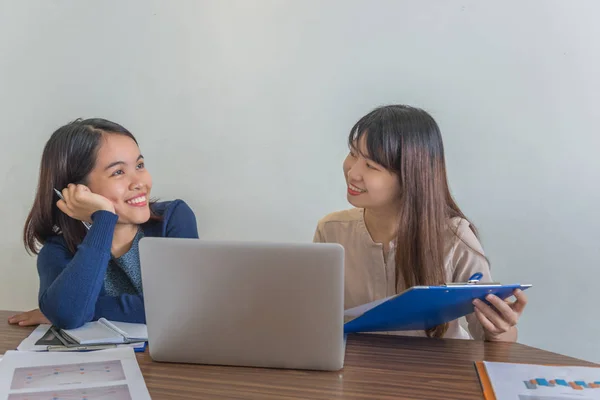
(136, 217)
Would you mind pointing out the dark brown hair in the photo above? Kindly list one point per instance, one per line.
(407, 141)
(69, 156)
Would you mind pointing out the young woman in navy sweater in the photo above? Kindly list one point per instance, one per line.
(89, 274)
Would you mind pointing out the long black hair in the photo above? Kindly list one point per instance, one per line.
(69, 156)
(407, 141)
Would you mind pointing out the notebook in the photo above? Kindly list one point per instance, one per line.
(49, 338)
(422, 307)
(501, 381)
(107, 332)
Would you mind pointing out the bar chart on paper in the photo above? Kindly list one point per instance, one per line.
(542, 382)
(548, 383)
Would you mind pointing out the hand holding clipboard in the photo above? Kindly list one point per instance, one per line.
(424, 307)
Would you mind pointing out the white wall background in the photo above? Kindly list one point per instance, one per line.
(242, 108)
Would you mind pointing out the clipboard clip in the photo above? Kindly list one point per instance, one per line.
(473, 280)
(475, 277)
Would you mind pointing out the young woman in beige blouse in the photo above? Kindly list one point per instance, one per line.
(406, 229)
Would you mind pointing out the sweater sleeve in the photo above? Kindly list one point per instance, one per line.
(180, 223)
(126, 308)
(70, 284)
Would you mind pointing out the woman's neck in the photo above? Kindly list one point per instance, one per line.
(382, 224)
(123, 238)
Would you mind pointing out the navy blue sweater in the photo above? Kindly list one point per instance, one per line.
(72, 285)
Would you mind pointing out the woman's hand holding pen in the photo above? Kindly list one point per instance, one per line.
(80, 203)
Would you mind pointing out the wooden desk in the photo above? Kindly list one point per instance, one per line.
(376, 367)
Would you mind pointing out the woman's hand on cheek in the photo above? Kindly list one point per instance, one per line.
(80, 203)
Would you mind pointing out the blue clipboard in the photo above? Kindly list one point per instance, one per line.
(423, 307)
(141, 349)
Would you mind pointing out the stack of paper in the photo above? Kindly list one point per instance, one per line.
(105, 374)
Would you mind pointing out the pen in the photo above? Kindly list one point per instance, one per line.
(59, 194)
(82, 348)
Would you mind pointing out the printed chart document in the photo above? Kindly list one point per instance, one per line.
(99, 375)
(538, 382)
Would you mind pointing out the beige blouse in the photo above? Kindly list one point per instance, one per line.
(368, 277)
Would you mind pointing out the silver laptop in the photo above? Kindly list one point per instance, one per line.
(246, 304)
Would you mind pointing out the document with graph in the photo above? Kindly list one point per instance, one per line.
(538, 382)
(100, 375)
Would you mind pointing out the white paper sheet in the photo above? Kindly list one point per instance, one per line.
(94, 332)
(515, 382)
(104, 374)
(127, 329)
(360, 310)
